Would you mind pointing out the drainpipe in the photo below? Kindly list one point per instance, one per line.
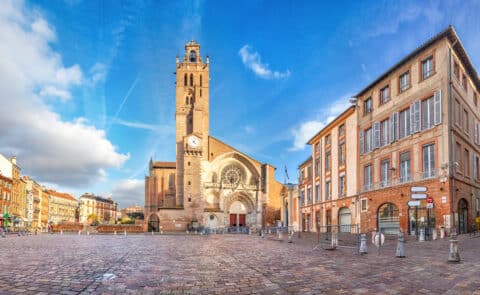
(451, 144)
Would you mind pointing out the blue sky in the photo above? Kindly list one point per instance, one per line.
(88, 87)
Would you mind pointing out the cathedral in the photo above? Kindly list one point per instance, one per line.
(211, 184)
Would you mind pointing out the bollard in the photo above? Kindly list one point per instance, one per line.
(363, 244)
(434, 234)
(249, 232)
(61, 232)
(152, 232)
(421, 236)
(280, 235)
(88, 233)
(334, 243)
(454, 256)
(442, 232)
(400, 245)
(187, 232)
(125, 233)
(161, 232)
(290, 237)
(114, 232)
(3, 234)
(262, 234)
(79, 232)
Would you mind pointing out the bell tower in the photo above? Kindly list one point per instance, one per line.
(192, 128)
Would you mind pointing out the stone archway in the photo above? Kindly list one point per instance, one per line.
(239, 210)
(153, 223)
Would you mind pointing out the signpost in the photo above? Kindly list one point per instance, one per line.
(413, 203)
(418, 196)
(418, 189)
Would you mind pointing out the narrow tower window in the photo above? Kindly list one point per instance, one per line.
(186, 100)
(191, 79)
(200, 80)
(193, 56)
(185, 79)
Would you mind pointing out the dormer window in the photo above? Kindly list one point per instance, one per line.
(193, 56)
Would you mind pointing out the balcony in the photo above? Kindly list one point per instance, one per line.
(419, 176)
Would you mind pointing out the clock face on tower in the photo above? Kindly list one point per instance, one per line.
(193, 141)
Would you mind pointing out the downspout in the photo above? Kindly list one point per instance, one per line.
(451, 145)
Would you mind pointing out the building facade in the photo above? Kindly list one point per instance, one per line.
(6, 186)
(95, 209)
(290, 206)
(211, 184)
(62, 207)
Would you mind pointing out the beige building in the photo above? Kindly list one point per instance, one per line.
(211, 184)
(63, 207)
(95, 209)
(328, 179)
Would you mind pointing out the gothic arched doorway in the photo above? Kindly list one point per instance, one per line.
(238, 214)
(153, 223)
(462, 216)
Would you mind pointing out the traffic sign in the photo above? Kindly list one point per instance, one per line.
(429, 205)
(413, 203)
(419, 196)
(418, 189)
(429, 200)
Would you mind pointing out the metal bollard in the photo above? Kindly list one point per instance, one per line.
(161, 232)
(88, 233)
(334, 243)
(290, 237)
(114, 232)
(363, 244)
(3, 234)
(442, 232)
(125, 233)
(249, 232)
(187, 232)
(61, 232)
(152, 232)
(79, 232)
(434, 234)
(454, 256)
(280, 235)
(400, 245)
(262, 234)
(421, 236)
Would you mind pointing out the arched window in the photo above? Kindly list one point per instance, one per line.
(191, 79)
(345, 219)
(185, 80)
(200, 80)
(193, 56)
(388, 218)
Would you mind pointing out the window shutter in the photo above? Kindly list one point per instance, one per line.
(362, 145)
(475, 133)
(416, 116)
(412, 119)
(376, 135)
(437, 105)
(394, 127)
(474, 165)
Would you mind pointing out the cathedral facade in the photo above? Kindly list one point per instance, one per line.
(211, 184)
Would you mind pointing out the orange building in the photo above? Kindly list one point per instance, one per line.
(6, 186)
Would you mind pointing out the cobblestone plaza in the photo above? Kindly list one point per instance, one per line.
(228, 264)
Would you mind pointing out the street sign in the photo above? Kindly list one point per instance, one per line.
(429, 200)
(419, 196)
(429, 205)
(413, 203)
(418, 189)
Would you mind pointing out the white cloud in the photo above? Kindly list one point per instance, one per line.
(128, 192)
(68, 153)
(252, 60)
(306, 130)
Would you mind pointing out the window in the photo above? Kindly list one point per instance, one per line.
(427, 113)
(341, 154)
(185, 80)
(404, 81)
(405, 167)
(384, 132)
(302, 175)
(317, 193)
(466, 162)
(200, 80)
(427, 67)
(404, 123)
(327, 139)
(464, 82)
(428, 161)
(341, 130)
(317, 147)
(456, 70)
(191, 79)
(458, 157)
(367, 106)
(465, 121)
(317, 166)
(171, 181)
(193, 56)
(341, 185)
(385, 173)
(327, 161)
(368, 140)
(328, 186)
(384, 94)
(457, 112)
(475, 168)
(475, 100)
(302, 197)
(368, 177)
(309, 172)
(309, 195)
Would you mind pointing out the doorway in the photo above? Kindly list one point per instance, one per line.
(154, 223)
(462, 216)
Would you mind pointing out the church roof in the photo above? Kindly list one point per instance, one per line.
(236, 150)
(164, 165)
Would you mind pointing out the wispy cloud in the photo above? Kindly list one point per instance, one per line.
(164, 129)
(306, 130)
(124, 100)
(252, 60)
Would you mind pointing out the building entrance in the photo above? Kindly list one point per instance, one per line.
(153, 223)
(239, 219)
(462, 216)
(421, 219)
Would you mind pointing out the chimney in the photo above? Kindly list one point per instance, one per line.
(13, 159)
